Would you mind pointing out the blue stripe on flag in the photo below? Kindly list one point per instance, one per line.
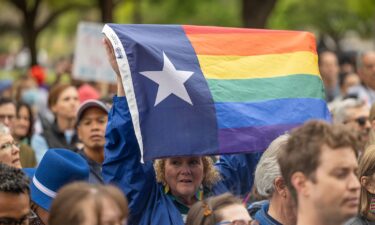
(271, 112)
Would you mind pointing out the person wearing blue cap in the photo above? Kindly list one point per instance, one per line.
(57, 168)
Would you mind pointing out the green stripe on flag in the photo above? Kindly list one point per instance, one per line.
(247, 90)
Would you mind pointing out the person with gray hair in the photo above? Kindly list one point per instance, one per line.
(366, 72)
(354, 113)
(9, 149)
(280, 208)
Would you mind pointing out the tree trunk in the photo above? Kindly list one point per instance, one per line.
(106, 9)
(256, 12)
(137, 16)
(30, 34)
(30, 43)
(30, 30)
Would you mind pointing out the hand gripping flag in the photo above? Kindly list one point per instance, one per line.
(195, 90)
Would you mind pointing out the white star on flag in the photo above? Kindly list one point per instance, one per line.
(170, 81)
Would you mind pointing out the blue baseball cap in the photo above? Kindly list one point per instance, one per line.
(57, 168)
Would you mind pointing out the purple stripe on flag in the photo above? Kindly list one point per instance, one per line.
(237, 140)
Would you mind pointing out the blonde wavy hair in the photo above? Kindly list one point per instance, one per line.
(210, 175)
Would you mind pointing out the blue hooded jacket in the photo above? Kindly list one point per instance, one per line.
(148, 203)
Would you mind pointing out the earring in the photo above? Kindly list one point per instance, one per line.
(200, 193)
(166, 188)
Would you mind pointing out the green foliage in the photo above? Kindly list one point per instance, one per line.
(334, 18)
(198, 12)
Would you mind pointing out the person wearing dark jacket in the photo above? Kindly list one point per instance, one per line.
(63, 102)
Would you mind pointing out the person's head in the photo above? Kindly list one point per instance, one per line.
(88, 204)
(366, 68)
(14, 196)
(7, 112)
(38, 74)
(354, 113)
(23, 84)
(319, 166)
(92, 117)
(63, 101)
(328, 66)
(348, 80)
(222, 209)
(9, 149)
(184, 175)
(23, 126)
(87, 92)
(366, 174)
(271, 185)
(57, 168)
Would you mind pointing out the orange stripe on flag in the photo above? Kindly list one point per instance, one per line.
(190, 29)
(246, 44)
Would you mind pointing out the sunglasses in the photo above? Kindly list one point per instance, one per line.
(22, 221)
(235, 222)
(361, 121)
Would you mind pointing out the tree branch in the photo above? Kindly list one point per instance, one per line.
(56, 14)
(7, 28)
(20, 4)
(35, 9)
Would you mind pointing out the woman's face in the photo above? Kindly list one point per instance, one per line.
(9, 152)
(22, 123)
(67, 104)
(184, 175)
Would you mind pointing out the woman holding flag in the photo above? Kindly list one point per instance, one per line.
(163, 192)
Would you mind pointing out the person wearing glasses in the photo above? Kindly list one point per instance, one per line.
(9, 117)
(223, 209)
(354, 113)
(14, 196)
(366, 172)
(9, 148)
(82, 203)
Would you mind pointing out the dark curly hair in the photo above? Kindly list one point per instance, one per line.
(13, 180)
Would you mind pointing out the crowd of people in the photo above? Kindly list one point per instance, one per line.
(68, 155)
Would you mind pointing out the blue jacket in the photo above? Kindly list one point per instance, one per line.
(259, 211)
(147, 201)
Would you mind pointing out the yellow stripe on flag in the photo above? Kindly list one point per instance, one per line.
(260, 66)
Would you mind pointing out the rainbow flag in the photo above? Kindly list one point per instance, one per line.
(196, 90)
